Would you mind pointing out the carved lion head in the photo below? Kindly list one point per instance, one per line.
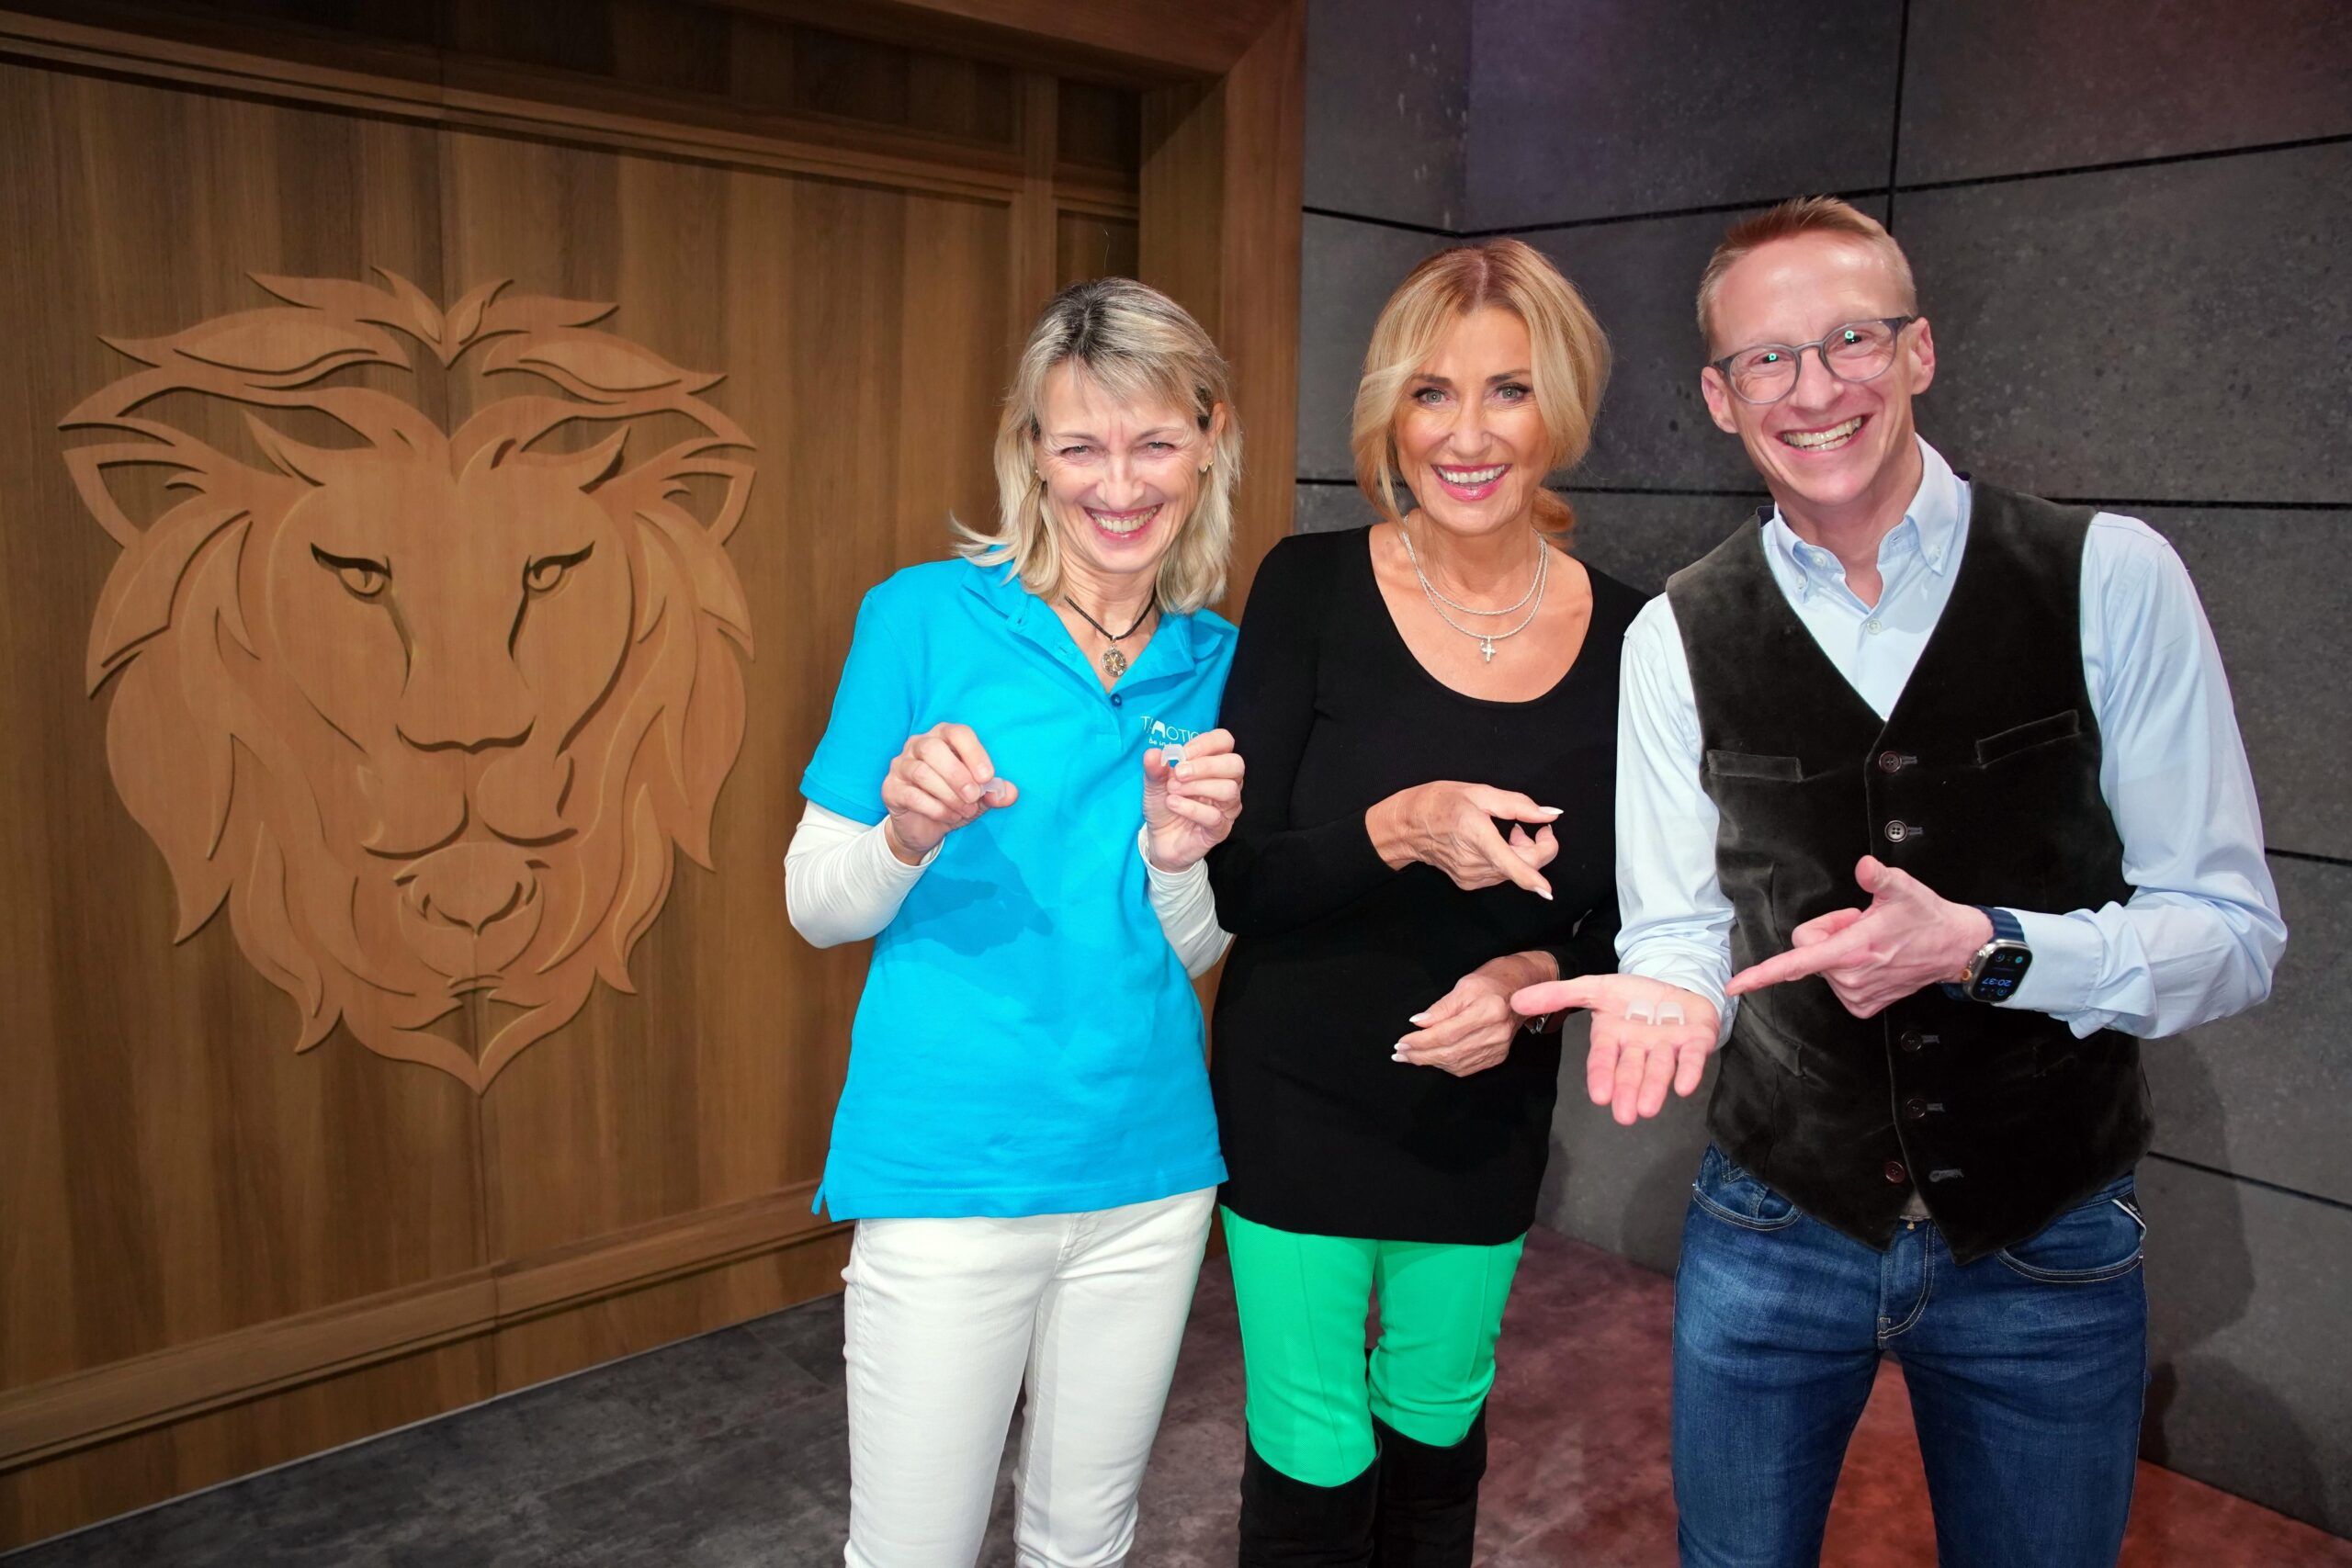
(428, 710)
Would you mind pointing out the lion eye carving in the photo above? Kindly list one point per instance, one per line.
(362, 577)
(543, 575)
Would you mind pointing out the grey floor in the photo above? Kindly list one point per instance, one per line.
(731, 1450)
(725, 1450)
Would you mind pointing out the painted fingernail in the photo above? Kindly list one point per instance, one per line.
(1549, 810)
(1418, 1018)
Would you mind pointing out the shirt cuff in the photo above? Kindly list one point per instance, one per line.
(2068, 956)
(1695, 979)
(889, 868)
(1168, 882)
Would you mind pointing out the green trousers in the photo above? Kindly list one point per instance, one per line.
(1303, 1300)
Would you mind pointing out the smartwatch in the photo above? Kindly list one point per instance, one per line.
(1996, 968)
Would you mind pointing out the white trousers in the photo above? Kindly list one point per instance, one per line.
(945, 1318)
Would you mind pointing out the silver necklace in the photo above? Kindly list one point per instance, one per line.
(1431, 589)
(1486, 640)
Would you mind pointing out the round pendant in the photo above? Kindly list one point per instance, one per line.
(1115, 662)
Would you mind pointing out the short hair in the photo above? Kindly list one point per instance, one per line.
(1803, 215)
(1569, 356)
(1137, 344)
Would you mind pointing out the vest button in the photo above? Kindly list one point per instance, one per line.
(1895, 1173)
(1898, 830)
(1916, 1107)
(1890, 761)
(1911, 1040)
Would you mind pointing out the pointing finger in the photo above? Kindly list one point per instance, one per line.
(1510, 805)
(1821, 926)
(1795, 964)
(1510, 866)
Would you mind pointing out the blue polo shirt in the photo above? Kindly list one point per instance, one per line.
(1027, 1042)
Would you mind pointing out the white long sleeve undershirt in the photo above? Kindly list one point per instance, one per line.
(843, 884)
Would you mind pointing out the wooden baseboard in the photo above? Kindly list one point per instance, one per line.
(43, 1421)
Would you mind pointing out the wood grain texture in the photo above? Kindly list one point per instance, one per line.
(216, 1253)
(1221, 183)
(105, 1404)
(45, 1498)
(1087, 245)
(1132, 40)
(431, 713)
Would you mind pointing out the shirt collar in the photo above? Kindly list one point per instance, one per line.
(1185, 640)
(1933, 520)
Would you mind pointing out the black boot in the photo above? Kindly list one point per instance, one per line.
(1289, 1524)
(1429, 1498)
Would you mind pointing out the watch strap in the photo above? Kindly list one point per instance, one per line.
(2006, 927)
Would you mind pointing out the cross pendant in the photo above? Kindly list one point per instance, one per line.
(1487, 649)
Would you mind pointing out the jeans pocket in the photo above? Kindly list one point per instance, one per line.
(2096, 1240)
(1729, 1193)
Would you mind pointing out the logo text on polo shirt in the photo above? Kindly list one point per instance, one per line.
(1169, 739)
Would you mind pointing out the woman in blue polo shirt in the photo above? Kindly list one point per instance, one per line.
(1013, 796)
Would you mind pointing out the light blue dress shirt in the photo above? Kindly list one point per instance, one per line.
(2201, 936)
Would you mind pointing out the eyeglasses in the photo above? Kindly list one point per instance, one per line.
(1858, 351)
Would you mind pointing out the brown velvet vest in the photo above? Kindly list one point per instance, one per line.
(1983, 783)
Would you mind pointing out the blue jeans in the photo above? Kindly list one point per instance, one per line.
(2027, 1370)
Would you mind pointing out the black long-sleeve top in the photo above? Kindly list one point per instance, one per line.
(1334, 952)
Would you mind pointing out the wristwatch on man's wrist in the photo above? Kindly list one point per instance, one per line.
(1994, 969)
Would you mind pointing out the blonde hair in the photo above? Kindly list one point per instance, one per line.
(1138, 345)
(1803, 215)
(1570, 352)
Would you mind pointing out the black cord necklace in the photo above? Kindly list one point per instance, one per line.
(1114, 663)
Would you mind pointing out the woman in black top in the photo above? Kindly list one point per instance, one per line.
(1429, 708)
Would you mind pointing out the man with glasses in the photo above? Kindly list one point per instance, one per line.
(1950, 777)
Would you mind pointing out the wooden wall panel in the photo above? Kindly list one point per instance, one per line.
(97, 1482)
(861, 332)
(217, 1253)
(174, 1170)
(1086, 246)
(1222, 175)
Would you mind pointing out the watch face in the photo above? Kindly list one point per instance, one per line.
(2003, 969)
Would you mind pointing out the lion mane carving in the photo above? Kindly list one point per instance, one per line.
(429, 711)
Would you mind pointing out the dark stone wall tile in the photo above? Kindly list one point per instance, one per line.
(1387, 94)
(1642, 540)
(2263, 1094)
(1642, 280)
(1590, 112)
(2175, 331)
(1324, 508)
(2249, 1389)
(2275, 588)
(1347, 272)
(2009, 87)
(1620, 1189)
